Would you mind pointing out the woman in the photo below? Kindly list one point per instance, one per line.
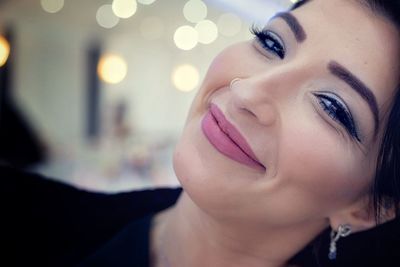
(292, 133)
(283, 139)
(311, 98)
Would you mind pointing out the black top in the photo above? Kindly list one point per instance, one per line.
(46, 223)
(130, 247)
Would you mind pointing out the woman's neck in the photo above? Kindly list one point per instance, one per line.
(186, 236)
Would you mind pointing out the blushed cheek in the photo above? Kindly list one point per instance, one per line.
(233, 62)
(323, 171)
(220, 72)
(218, 76)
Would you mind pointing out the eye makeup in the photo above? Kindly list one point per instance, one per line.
(334, 106)
(269, 41)
(338, 111)
(293, 24)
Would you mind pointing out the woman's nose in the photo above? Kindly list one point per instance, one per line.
(248, 96)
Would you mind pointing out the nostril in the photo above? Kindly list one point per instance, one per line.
(265, 114)
(247, 112)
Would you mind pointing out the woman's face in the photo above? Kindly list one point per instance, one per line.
(313, 90)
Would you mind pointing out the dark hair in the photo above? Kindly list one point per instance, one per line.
(385, 190)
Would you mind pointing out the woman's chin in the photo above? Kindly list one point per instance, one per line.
(194, 174)
(214, 183)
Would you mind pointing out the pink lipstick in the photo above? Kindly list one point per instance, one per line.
(224, 136)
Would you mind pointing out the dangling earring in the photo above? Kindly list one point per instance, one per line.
(343, 231)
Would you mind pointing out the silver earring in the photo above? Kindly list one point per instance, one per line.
(343, 231)
(233, 81)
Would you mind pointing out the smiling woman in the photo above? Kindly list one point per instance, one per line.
(289, 155)
(311, 97)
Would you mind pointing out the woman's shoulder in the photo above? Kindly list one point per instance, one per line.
(67, 220)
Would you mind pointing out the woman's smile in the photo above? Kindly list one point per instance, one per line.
(302, 106)
(224, 136)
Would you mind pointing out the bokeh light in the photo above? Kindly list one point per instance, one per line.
(52, 6)
(4, 50)
(112, 68)
(105, 17)
(195, 10)
(207, 30)
(124, 8)
(146, 2)
(185, 77)
(186, 37)
(152, 28)
(229, 24)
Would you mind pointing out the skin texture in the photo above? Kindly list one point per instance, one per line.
(316, 174)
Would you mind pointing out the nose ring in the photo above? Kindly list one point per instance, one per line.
(233, 81)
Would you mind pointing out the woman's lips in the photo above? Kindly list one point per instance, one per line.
(227, 139)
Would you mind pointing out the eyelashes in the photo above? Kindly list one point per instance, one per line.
(330, 103)
(269, 41)
(338, 112)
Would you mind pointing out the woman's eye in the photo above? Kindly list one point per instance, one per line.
(270, 41)
(339, 113)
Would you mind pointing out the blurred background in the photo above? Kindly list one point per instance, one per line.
(95, 93)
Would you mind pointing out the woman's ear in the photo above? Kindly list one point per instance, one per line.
(361, 216)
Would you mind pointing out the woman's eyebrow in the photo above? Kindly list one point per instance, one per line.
(336, 69)
(357, 85)
(294, 25)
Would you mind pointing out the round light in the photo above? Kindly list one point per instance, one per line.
(229, 24)
(52, 6)
(152, 28)
(105, 17)
(124, 8)
(4, 51)
(185, 78)
(146, 2)
(195, 10)
(186, 37)
(207, 30)
(112, 68)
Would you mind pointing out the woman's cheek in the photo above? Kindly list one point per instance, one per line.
(219, 75)
(220, 72)
(236, 61)
(324, 169)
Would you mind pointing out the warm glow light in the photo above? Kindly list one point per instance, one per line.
(195, 10)
(186, 37)
(52, 6)
(112, 68)
(146, 2)
(124, 8)
(185, 77)
(105, 17)
(207, 30)
(152, 28)
(4, 50)
(229, 24)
